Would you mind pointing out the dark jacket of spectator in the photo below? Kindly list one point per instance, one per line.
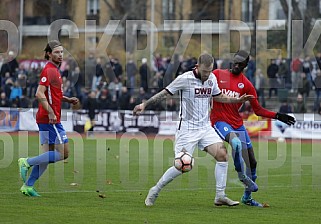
(304, 86)
(124, 99)
(144, 72)
(10, 67)
(299, 106)
(272, 70)
(4, 101)
(118, 69)
(285, 108)
(92, 105)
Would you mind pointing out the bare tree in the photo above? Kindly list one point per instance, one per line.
(309, 15)
(296, 13)
(255, 15)
(124, 10)
(199, 13)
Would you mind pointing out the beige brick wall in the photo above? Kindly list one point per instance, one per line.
(32, 45)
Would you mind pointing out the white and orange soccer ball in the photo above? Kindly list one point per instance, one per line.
(184, 161)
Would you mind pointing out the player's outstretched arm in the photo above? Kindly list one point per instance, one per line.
(263, 112)
(72, 100)
(153, 100)
(222, 98)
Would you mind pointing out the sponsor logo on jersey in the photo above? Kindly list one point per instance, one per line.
(230, 93)
(202, 92)
(240, 85)
(210, 83)
(43, 79)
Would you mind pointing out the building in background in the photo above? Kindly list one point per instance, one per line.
(171, 19)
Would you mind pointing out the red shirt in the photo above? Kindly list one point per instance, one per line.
(235, 86)
(51, 78)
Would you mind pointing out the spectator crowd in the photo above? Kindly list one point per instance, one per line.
(119, 86)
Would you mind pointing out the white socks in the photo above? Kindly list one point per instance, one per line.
(167, 177)
(221, 177)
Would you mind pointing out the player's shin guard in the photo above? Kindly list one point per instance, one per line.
(237, 157)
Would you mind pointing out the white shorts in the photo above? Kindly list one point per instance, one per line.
(189, 139)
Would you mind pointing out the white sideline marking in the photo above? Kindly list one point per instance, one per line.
(146, 190)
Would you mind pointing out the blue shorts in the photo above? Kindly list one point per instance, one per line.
(223, 129)
(52, 134)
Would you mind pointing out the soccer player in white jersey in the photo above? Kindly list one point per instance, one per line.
(196, 88)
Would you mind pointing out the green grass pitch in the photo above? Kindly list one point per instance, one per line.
(123, 169)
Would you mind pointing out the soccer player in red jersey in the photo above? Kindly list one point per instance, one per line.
(228, 123)
(53, 137)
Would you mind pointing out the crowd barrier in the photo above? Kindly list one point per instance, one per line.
(308, 126)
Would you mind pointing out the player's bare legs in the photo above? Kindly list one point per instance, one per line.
(219, 152)
(63, 150)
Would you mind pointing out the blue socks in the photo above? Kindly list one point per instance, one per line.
(247, 194)
(239, 164)
(253, 174)
(36, 172)
(40, 163)
(45, 158)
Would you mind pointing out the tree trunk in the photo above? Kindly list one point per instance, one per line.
(256, 9)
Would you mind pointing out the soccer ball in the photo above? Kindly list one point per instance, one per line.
(184, 162)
